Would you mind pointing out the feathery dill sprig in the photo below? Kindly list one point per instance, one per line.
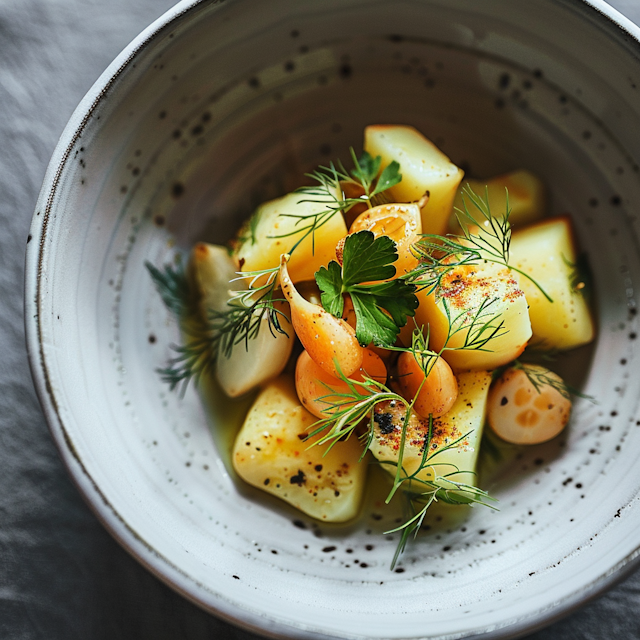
(480, 326)
(419, 499)
(347, 410)
(208, 338)
(247, 309)
(477, 243)
(541, 377)
(328, 191)
(195, 356)
(174, 287)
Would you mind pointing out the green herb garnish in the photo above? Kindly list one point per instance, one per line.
(366, 259)
(349, 408)
(197, 355)
(174, 288)
(331, 180)
(207, 339)
(487, 242)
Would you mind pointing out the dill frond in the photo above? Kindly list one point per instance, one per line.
(207, 339)
(487, 242)
(541, 377)
(330, 180)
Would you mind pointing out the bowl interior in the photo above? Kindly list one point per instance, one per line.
(229, 105)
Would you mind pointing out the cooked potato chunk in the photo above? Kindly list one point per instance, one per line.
(527, 200)
(264, 237)
(454, 308)
(547, 252)
(465, 418)
(424, 168)
(521, 414)
(269, 453)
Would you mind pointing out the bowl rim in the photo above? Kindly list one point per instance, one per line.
(107, 514)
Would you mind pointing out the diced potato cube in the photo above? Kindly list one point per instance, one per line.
(273, 231)
(527, 200)
(480, 307)
(423, 167)
(465, 418)
(269, 453)
(547, 252)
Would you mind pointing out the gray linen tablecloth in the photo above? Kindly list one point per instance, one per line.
(62, 577)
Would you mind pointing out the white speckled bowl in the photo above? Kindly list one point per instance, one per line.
(219, 105)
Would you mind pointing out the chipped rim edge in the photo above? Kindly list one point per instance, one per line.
(106, 513)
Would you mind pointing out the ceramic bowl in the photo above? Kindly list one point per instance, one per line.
(220, 105)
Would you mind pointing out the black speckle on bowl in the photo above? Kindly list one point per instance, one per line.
(177, 190)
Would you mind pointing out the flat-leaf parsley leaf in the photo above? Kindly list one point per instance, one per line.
(381, 308)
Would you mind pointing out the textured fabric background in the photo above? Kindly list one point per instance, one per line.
(62, 577)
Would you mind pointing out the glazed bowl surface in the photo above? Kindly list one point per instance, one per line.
(221, 105)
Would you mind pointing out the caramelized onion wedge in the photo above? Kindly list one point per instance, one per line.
(436, 393)
(330, 341)
(319, 392)
(400, 222)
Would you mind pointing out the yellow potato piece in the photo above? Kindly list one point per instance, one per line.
(465, 418)
(269, 453)
(527, 200)
(546, 251)
(423, 167)
(275, 232)
(463, 290)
